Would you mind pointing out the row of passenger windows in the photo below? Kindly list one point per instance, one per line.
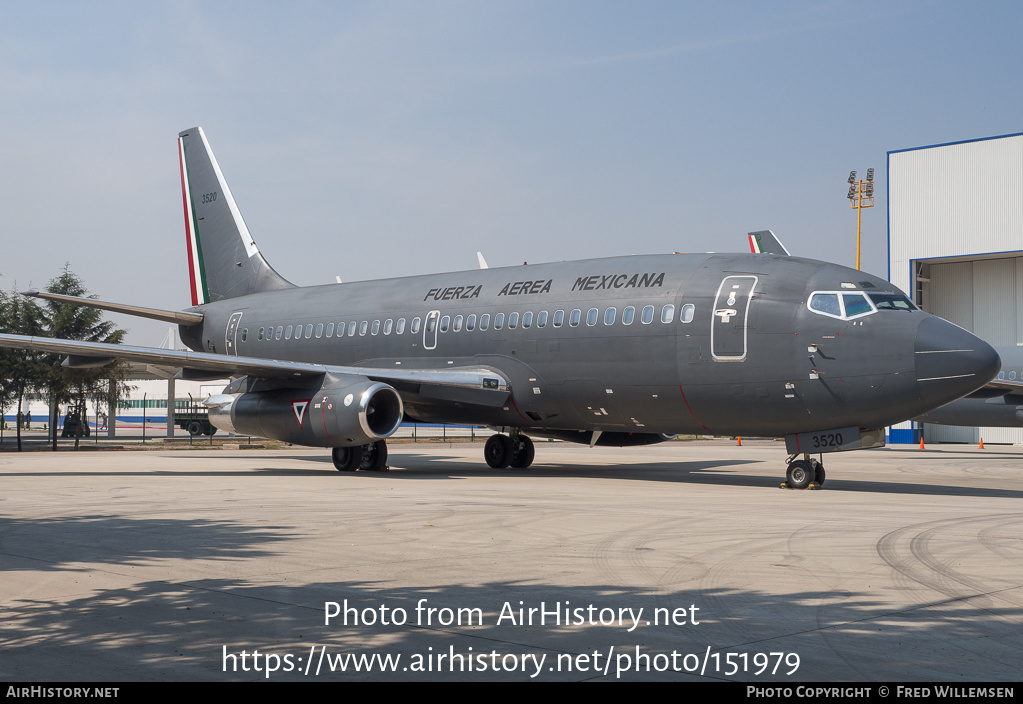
(472, 322)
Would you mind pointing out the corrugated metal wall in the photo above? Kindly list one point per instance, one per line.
(962, 200)
(954, 200)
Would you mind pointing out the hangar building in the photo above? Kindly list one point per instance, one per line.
(955, 243)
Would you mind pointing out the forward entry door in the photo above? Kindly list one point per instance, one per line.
(728, 327)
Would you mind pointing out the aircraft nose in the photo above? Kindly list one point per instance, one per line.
(951, 362)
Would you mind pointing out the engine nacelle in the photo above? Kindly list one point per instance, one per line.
(340, 413)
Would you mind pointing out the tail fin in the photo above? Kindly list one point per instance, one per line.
(766, 242)
(223, 261)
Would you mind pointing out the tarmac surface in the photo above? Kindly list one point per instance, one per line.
(171, 565)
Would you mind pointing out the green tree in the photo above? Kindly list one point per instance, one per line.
(71, 322)
(20, 370)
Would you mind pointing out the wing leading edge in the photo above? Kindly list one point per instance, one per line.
(477, 385)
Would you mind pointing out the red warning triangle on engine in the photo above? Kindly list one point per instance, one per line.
(298, 408)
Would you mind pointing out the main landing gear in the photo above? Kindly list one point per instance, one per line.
(802, 473)
(502, 451)
(368, 458)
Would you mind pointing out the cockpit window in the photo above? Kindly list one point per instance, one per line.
(855, 304)
(891, 301)
(826, 303)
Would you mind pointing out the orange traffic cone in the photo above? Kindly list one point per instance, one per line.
(738, 441)
(981, 444)
(921, 442)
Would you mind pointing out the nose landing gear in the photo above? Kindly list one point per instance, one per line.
(803, 474)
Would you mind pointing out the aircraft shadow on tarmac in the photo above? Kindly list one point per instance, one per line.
(440, 467)
(437, 467)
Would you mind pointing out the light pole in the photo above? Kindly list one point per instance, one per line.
(861, 195)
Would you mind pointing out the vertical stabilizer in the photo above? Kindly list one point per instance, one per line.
(223, 261)
(766, 242)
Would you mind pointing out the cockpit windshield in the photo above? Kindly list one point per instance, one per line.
(891, 301)
(848, 305)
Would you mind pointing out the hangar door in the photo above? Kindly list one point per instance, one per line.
(983, 296)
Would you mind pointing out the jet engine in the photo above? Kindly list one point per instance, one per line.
(342, 412)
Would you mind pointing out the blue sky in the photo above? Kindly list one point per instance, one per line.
(375, 139)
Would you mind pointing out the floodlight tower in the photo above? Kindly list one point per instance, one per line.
(861, 195)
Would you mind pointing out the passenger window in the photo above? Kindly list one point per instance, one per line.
(648, 315)
(513, 321)
(287, 332)
(388, 326)
(609, 316)
(340, 329)
(363, 327)
(416, 322)
(458, 323)
(668, 313)
(376, 327)
(559, 318)
(330, 330)
(688, 311)
(470, 323)
(527, 319)
(575, 317)
(245, 334)
(498, 321)
(298, 332)
(591, 316)
(280, 332)
(1012, 376)
(308, 331)
(351, 329)
(431, 325)
(628, 315)
(445, 323)
(484, 321)
(319, 330)
(541, 319)
(400, 329)
(826, 303)
(260, 335)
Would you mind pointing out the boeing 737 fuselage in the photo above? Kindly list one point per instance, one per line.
(618, 351)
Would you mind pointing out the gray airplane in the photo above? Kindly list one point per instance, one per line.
(621, 351)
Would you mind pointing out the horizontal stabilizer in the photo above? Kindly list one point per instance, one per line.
(167, 316)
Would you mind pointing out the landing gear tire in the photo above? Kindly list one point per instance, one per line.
(346, 459)
(523, 453)
(799, 474)
(498, 451)
(818, 472)
(374, 456)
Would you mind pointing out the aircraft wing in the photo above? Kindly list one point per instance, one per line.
(477, 385)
